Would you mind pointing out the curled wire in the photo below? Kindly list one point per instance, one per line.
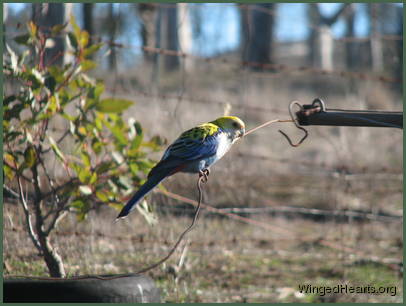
(295, 123)
(319, 102)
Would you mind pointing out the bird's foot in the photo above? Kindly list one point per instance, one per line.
(204, 174)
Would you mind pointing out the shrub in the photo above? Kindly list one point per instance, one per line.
(55, 118)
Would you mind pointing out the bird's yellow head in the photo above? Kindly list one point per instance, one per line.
(232, 125)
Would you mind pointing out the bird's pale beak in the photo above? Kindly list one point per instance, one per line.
(242, 132)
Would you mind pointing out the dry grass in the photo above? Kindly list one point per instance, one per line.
(222, 260)
(228, 261)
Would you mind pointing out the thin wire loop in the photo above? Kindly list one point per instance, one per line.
(295, 123)
(319, 102)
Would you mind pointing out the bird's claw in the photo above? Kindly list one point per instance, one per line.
(204, 175)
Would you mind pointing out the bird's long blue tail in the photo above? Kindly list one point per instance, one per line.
(143, 191)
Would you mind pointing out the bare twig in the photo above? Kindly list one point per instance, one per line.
(60, 205)
(266, 124)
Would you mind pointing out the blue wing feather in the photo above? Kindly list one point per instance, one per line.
(193, 149)
(183, 151)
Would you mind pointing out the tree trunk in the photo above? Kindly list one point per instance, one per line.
(321, 41)
(376, 42)
(156, 58)
(257, 34)
(47, 15)
(112, 37)
(88, 19)
(169, 38)
(326, 44)
(399, 45)
(185, 34)
(5, 12)
(351, 54)
(148, 14)
(52, 259)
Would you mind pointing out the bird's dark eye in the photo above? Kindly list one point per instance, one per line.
(235, 124)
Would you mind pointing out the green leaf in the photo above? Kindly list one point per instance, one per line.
(56, 150)
(30, 157)
(145, 165)
(122, 182)
(23, 39)
(93, 178)
(82, 208)
(57, 73)
(32, 29)
(10, 136)
(92, 49)
(102, 196)
(118, 134)
(99, 89)
(87, 65)
(13, 112)
(134, 168)
(9, 99)
(76, 28)
(138, 136)
(8, 172)
(117, 206)
(13, 58)
(84, 39)
(50, 83)
(57, 29)
(119, 159)
(86, 158)
(98, 123)
(73, 42)
(86, 190)
(84, 175)
(97, 146)
(104, 167)
(38, 75)
(112, 105)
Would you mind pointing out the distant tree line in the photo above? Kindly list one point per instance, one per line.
(175, 26)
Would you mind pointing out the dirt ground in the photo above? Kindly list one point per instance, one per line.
(224, 260)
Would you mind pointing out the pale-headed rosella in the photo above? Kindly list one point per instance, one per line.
(194, 152)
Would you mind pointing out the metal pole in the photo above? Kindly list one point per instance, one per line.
(317, 114)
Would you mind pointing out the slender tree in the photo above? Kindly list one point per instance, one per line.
(169, 37)
(376, 41)
(88, 19)
(147, 13)
(321, 43)
(112, 29)
(257, 33)
(351, 47)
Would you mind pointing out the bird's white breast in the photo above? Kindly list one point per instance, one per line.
(224, 145)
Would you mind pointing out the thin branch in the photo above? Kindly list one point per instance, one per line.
(15, 170)
(31, 232)
(58, 141)
(60, 206)
(11, 191)
(60, 187)
(33, 235)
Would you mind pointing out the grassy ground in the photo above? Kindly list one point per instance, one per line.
(223, 260)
